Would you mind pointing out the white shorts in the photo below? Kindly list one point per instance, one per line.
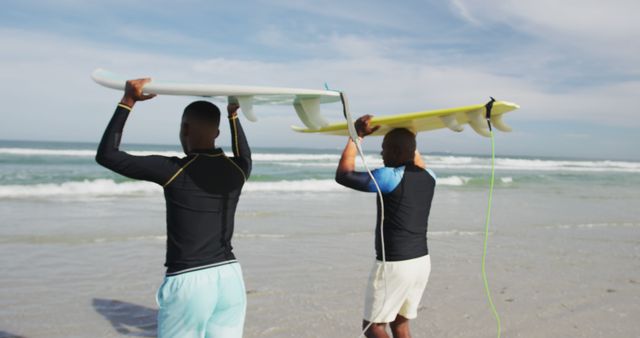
(405, 284)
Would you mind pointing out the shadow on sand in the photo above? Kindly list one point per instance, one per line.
(128, 319)
(5, 334)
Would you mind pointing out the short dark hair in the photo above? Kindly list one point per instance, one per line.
(402, 142)
(202, 112)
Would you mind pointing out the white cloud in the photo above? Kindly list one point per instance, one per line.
(51, 96)
(375, 14)
(272, 36)
(602, 29)
(463, 12)
(142, 34)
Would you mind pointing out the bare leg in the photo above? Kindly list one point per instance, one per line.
(400, 327)
(375, 330)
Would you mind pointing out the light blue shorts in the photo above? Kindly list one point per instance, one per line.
(206, 303)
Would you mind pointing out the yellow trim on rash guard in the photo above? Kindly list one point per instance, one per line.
(244, 176)
(179, 171)
(235, 135)
(122, 105)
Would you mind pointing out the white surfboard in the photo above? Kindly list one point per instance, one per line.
(305, 101)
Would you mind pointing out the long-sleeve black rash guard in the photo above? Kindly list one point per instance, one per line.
(407, 193)
(201, 192)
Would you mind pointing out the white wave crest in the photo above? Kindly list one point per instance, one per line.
(454, 233)
(261, 157)
(575, 166)
(506, 180)
(449, 160)
(455, 181)
(327, 185)
(108, 187)
(77, 152)
(79, 189)
(374, 160)
(294, 186)
(594, 225)
(275, 157)
(47, 152)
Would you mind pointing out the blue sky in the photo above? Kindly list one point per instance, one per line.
(571, 65)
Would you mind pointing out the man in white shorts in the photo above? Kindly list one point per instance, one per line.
(395, 287)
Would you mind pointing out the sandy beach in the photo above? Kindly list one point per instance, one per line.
(306, 261)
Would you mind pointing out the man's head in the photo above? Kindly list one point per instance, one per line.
(398, 147)
(199, 128)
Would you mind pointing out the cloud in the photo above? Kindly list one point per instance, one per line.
(47, 78)
(603, 30)
(134, 33)
(461, 9)
(371, 14)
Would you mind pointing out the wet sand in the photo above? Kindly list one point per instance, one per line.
(560, 264)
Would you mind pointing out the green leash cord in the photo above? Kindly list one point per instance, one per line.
(488, 219)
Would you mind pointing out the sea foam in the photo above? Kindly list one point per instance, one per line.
(79, 189)
(108, 187)
(329, 159)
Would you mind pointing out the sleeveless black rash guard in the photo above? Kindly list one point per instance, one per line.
(407, 192)
(201, 192)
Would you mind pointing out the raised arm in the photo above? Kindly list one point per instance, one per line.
(239, 144)
(151, 168)
(346, 174)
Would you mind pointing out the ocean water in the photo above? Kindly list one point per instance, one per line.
(44, 170)
(82, 248)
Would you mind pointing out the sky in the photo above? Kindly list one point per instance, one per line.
(573, 67)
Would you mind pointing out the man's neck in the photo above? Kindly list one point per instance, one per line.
(202, 145)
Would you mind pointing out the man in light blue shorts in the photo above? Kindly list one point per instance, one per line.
(395, 288)
(203, 293)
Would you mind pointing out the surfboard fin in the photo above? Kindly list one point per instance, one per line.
(308, 110)
(478, 122)
(246, 105)
(496, 121)
(451, 123)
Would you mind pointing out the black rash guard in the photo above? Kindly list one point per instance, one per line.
(201, 192)
(407, 192)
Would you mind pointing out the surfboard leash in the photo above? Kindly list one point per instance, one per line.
(354, 136)
(488, 108)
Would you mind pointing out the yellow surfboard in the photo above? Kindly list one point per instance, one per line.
(452, 118)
